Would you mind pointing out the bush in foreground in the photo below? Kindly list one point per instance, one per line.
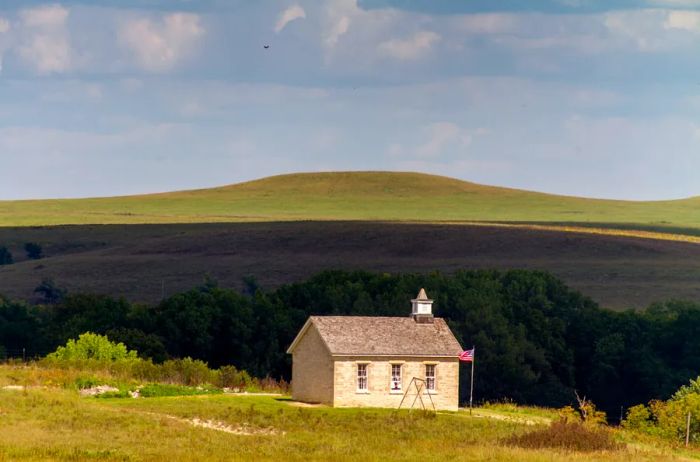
(111, 360)
(571, 436)
(668, 419)
(91, 346)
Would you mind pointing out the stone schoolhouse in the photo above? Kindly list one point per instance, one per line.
(358, 361)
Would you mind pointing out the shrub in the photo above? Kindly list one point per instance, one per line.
(147, 371)
(589, 414)
(638, 418)
(188, 371)
(572, 436)
(268, 384)
(91, 346)
(115, 394)
(230, 377)
(668, 418)
(586, 413)
(34, 251)
(693, 387)
(159, 389)
(5, 257)
(49, 291)
(87, 382)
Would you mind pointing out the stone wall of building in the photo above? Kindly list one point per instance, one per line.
(312, 370)
(379, 393)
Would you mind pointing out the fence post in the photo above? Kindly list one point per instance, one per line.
(24, 355)
(687, 430)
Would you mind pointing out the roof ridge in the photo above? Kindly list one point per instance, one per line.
(408, 316)
(386, 335)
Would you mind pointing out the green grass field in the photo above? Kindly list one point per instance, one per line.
(45, 422)
(370, 196)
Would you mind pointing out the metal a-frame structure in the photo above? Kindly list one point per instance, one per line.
(419, 386)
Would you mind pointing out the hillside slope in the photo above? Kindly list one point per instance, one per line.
(372, 196)
(146, 262)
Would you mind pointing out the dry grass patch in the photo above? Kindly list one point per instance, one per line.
(570, 436)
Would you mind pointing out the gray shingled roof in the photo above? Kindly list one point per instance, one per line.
(372, 335)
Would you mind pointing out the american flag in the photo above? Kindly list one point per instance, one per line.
(467, 356)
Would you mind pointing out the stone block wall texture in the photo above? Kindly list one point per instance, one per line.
(379, 394)
(312, 370)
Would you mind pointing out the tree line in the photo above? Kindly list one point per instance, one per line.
(537, 341)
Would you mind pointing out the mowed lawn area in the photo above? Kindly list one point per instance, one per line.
(367, 196)
(53, 423)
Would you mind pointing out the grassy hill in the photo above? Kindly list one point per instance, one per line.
(282, 229)
(372, 196)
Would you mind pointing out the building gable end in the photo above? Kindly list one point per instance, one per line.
(309, 324)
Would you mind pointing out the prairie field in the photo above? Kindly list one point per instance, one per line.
(623, 254)
(145, 262)
(364, 196)
(40, 420)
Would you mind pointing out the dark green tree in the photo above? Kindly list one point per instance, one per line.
(5, 256)
(49, 291)
(34, 251)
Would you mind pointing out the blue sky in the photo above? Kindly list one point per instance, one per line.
(592, 98)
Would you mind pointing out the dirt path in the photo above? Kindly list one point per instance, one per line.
(243, 429)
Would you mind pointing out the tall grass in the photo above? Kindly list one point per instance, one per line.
(88, 373)
(55, 424)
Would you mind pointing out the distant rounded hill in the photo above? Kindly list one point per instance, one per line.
(366, 196)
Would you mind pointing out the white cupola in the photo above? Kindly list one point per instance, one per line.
(422, 308)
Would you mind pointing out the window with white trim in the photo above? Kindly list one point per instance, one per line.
(396, 377)
(362, 377)
(430, 377)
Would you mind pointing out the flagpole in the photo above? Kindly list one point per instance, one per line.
(471, 389)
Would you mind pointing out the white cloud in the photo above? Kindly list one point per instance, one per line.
(411, 48)
(289, 15)
(339, 15)
(443, 134)
(45, 43)
(336, 31)
(654, 30)
(350, 34)
(686, 20)
(51, 16)
(160, 45)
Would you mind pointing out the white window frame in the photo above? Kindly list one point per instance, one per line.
(431, 379)
(398, 382)
(362, 377)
